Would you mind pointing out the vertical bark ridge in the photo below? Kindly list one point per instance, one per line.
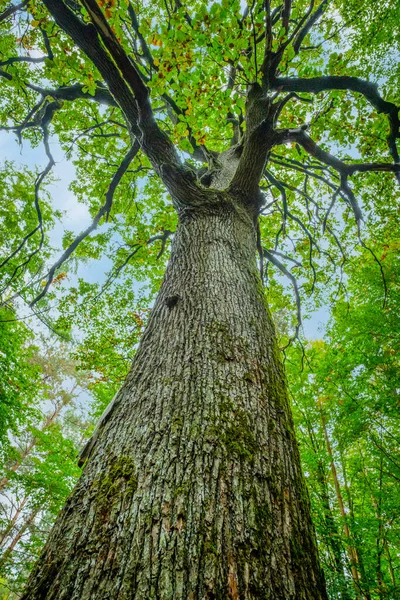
(194, 488)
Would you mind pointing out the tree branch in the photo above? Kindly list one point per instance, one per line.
(266, 65)
(86, 39)
(21, 245)
(126, 66)
(258, 140)
(39, 179)
(155, 142)
(368, 89)
(163, 237)
(299, 136)
(143, 44)
(286, 10)
(17, 59)
(11, 10)
(104, 210)
(277, 263)
(75, 92)
(121, 76)
(308, 25)
(197, 150)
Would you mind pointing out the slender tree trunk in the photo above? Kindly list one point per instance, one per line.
(332, 540)
(32, 444)
(4, 534)
(11, 547)
(389, 560)
(351, 549)
(193, 488)
(377, 502)
(17, 463)
(330, 534)
(351, 520)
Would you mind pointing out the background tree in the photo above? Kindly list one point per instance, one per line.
(198, 496)
(345, 404)
(20, 377)
(38, 467)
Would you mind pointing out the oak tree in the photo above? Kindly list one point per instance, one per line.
(258, 127)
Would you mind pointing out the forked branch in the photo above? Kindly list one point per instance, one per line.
(155, 143)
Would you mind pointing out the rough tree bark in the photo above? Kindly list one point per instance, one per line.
(193, 489)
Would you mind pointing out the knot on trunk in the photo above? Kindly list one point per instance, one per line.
(172, 301)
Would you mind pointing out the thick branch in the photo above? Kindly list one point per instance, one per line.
(5, 75)
(17, 59)
(74, 92)
(101, 95)
(155, 143)
(197, 150)
(258, 141)
(121, 76)
(86, 39)
(143, 44)
(272, 59)
(128, 69)
(335, 82)
(266, 65)
(299, 136)
(287, 7)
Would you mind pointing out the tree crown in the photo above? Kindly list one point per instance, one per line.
(277, 104)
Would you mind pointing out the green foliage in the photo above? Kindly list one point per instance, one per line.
(19, 376)
(351, 381)
(110, 325)
(194, 51)
(39, 449)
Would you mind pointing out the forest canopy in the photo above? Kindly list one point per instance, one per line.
(212, 84)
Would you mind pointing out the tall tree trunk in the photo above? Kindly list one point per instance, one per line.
(330, 531)
(389, 561)
(356, 538)
(377, 504)
(193, 488)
